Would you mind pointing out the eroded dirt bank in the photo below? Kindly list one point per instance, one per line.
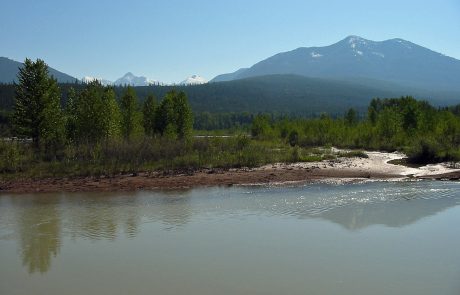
(376, 166)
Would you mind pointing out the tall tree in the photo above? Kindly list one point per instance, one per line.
(183, 114)
(37, 109)
(148, 112)
(70, 114)
(165, 117)
(174, 117)
(130, 116)
(97, 114)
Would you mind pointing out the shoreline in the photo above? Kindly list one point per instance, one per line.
(375, 167)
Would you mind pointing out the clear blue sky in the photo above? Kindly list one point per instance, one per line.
(170, 39)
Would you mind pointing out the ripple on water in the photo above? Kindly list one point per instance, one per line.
(311, 200)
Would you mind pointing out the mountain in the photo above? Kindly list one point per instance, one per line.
(130, 79)
(394, 60)
(194, 80)
(229, 76)
(9, 70)
(88, 79)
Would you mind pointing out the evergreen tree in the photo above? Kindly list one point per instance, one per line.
(37, 110)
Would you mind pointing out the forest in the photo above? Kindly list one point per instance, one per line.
(101, 130)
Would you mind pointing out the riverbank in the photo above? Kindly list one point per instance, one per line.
(376, 167)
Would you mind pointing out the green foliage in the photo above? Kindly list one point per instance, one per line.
(131, 118)
(354, 154)
(10, 157)
(260, 126)
(148, 112)
(351, 117)
(183, 113)
(293, 138)
(423, 132)
(97, 114)
(174, 116)
(165, 116)
(70, 115)
(37, 110)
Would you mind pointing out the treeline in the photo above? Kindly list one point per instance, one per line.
(91, 115)
(286, 94)
(425, 133)
(93, 133)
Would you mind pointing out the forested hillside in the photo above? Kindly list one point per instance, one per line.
(279, 94)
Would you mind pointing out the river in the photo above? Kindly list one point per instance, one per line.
(364, 238)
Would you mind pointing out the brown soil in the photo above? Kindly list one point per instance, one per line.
(145, 181)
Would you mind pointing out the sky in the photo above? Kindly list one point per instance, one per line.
(170, 40)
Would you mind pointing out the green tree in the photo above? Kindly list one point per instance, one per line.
(351, 117)
(130, 116)
(183, 114)
(70, 114)
(37, 109)
(174, 117)
(148, 112)
(111, 114)
(97, 114)
(373, 109)
(165, 118)
(260, 126)
(293, 138)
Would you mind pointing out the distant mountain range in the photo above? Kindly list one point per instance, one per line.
(88, 79)
(396, 60)
(9, 70)
(132, 80)
(305, 81)
(194, 80)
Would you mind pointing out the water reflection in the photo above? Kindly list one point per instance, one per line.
(101, 216)
(391, 214)
(358, 206)
(174, 209)
(40, 222)
(39, 232)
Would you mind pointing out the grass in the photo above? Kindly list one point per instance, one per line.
(156, 154)
(353, 154)
(152, 154)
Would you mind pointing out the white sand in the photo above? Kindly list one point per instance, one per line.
(377, 163)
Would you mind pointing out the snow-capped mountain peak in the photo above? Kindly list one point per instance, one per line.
(133, 80)
(89, 79)
(194, 80)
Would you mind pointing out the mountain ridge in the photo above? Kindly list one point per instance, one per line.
(9, 70)
(394, 60)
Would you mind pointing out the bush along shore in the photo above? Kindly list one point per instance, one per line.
(98, 134)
